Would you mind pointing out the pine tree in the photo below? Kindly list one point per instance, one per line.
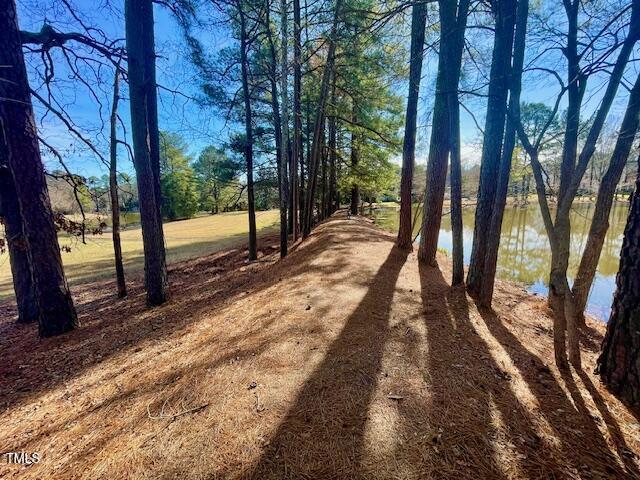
(19, 146)
(619, 361)
(177, 178)
(144, 132)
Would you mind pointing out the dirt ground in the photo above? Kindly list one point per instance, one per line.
(346, 360)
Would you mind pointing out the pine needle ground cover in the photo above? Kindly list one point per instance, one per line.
(345, 360)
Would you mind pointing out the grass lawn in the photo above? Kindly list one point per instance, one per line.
(184, 239)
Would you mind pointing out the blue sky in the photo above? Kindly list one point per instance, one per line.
(204, 127)
(177, 113)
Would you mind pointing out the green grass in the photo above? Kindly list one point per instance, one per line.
(184, 239)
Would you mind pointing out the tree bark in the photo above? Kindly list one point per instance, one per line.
(436, 164)
(305, 159)
(572, 169)
(302, 202)
(606, 192)
(354, 158)
(16, 244)
(333, 179)
(619, 361)
(151, 94)
(559, 321)
(113, 190)
(291, 212)
(284, 143)
(297, 183)
(155, 267)
(314, 159)
(456, 45)
(56, 313)
(322, 211)
(440, 144)
(244, 64)
(495, 226)
(575, 91)
(278, 132)
(418, 22)
(505, 12)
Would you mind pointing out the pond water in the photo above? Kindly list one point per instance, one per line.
(524, 254)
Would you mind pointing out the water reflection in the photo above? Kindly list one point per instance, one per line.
(524, 249)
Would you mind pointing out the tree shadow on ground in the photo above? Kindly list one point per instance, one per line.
(325, 425)
(579, 440)
(198, 287)
(471, 417)
(459, 419)
(30, 366)
(488, 407)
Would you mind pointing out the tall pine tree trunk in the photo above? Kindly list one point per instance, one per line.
(436, 169)
(293, 189)
(302, 200)
(418, 22)
(16, 244)
(619, 361)
(355, 139)
(142, 127)
(453, 74)
(284, 143)
(113, 189)
(497, 213)
(315, 153)
(278, 132)
(333, 179)
(297, 182)
(151, 94)
(325, 178)
(457, 276)
(440, 143)
(56, 313)
(355, 159)
(244, 64)
(505, 12)
(559, 293)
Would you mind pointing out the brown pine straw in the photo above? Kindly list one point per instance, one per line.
(345, 360)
